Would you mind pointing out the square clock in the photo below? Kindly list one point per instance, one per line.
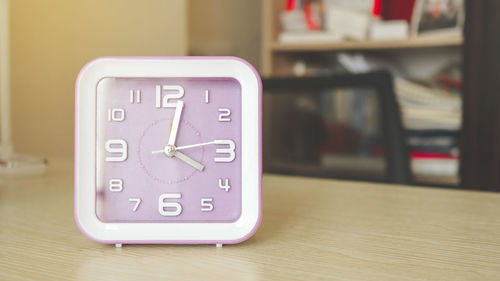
(168, 150)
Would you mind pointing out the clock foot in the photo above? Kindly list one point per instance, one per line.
(118, 245)
(218, 245)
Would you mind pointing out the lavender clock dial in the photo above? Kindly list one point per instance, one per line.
(168, 150)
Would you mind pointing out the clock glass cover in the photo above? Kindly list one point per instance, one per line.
(144, 174)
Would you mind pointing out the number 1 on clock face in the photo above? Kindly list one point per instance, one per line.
(145, 176)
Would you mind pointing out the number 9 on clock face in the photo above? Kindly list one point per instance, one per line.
(168, 145)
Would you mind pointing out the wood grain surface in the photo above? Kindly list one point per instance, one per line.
(311, 230)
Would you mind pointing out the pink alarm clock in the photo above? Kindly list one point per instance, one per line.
(168, 150)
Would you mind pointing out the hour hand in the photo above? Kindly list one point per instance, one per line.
(189, 161)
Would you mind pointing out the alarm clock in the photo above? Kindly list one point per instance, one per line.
(168, 150)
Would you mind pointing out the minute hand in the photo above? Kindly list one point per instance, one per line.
(175, 125)
(195, 145)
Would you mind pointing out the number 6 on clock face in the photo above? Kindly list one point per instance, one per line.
(168, 150)
(169, 209)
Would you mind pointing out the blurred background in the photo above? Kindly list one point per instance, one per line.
(398, 91)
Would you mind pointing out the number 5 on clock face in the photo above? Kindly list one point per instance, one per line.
(171, 148)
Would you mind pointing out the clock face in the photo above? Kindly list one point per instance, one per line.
(168, 150)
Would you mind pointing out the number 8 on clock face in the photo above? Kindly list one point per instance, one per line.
(168, 150)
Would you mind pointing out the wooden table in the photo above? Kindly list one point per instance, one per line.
(311, 230)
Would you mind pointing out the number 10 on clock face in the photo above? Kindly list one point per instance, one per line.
(168, 149)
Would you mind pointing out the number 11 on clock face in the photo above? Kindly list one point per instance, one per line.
(168, 150)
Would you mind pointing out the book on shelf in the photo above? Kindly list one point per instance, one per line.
(349, 23)
(398, 10)
(364, 6)
(432, 119)
(300, 16)
(389, 30)
(351, 20)
(433, 141)
(434, 164)
(425, 108)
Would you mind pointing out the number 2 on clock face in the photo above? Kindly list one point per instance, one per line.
(169, 149)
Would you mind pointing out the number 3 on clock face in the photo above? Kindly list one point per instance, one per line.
(168, 150)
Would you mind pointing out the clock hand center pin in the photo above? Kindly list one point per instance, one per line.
(170, 150)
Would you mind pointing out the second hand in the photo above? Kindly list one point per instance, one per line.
(194, 145)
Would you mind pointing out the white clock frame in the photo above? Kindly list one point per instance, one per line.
(168, 232)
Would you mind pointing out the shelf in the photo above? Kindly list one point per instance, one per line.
(418, 42)
(278, 59)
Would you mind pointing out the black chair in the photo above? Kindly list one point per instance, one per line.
(298, 140)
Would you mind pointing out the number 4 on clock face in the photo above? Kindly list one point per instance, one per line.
(224, 184)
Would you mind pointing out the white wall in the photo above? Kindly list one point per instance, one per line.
(52, 39)
(225, 27)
